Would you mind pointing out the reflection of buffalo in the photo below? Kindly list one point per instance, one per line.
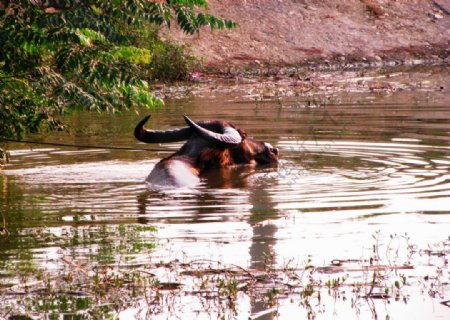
(210, 144)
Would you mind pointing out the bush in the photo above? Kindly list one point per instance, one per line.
(68, 55)
(170, 62)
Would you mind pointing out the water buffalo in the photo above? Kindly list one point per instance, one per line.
(210, 145)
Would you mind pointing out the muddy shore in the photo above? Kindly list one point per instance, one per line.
(284, 35)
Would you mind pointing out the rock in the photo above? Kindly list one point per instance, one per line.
(435, 16)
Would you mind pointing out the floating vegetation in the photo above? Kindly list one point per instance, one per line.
(210, 287)
(309, 90)
(362, 151)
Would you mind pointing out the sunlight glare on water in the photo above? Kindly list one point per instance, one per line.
(350, 167)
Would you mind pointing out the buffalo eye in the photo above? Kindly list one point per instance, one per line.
(274, 150)
(271, 148)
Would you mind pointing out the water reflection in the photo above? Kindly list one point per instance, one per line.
(351, 165)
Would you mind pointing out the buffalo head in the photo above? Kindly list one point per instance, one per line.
(209, 144)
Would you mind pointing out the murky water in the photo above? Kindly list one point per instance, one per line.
(356, 168)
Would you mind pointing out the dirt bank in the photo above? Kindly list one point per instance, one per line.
(283, 33)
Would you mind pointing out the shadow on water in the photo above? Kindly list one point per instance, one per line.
(359, 171)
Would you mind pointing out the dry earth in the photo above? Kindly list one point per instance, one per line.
(284, 33)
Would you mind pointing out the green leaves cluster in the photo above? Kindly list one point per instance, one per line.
(63, 55)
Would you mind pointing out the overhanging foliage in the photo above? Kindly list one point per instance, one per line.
(63, 55)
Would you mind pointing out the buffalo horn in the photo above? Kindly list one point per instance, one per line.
(230, 136)
(153, 136)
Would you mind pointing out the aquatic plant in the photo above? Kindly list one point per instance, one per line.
(107, 289)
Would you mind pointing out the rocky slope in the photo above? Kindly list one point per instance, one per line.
(281, 33)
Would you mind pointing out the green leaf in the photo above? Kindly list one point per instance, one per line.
(64, 55)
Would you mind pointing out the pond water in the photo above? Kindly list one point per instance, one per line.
(363, 182)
